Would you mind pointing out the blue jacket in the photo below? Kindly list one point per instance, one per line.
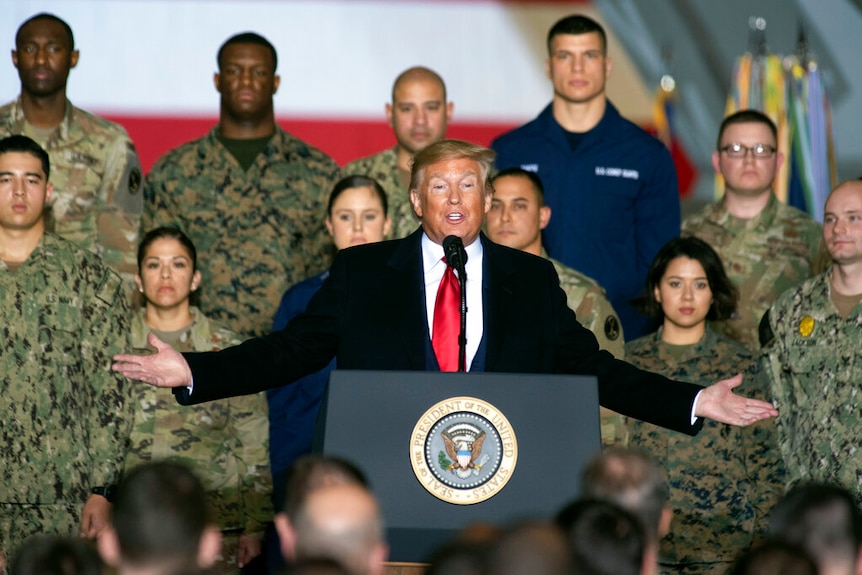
(614, 201)
(293, 408)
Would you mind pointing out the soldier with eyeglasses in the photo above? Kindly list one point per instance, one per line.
(767, 247)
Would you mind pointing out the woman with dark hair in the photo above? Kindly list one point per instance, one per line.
(356, 215)
(723, 481)
(225, 441)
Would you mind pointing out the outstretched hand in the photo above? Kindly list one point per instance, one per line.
(719, 403)
(165, 368)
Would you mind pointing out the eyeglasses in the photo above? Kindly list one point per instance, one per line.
(737, 150)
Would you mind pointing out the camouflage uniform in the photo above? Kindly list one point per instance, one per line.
(224, 442)
(259, 231)
(66, 415)
(763, 256)
(814, 362)
(97, 202)
(383, 167)
(722, 481)
(593, 310)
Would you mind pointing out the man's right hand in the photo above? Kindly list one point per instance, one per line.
(166, 368)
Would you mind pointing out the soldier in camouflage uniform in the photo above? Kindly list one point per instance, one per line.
(224, 442)
(95, 171)
(418, 114)
(724, 480)
(66, 416)
(250, 196)
(812, 336)
(767, 247)
(517, 217)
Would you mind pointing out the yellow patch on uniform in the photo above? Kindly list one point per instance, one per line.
(806, 326)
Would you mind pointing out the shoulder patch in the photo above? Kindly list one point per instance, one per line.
(612, 328)
(134, 180)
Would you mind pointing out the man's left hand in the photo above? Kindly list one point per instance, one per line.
(719, 403)
(95, 517)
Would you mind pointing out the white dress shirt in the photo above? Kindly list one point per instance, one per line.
(434, 268)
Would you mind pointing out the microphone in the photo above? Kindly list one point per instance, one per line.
(456, 257)
(453, 248)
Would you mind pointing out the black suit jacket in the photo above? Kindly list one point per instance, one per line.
(371, 315)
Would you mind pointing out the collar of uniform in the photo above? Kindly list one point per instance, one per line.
(604, 129)
(718, 214)
(65, 125)
(210, 146)
(198, 330)
(694, 351)
(44, 254)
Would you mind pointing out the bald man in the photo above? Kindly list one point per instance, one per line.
(811, 343)
(339, 521)
(418, 114)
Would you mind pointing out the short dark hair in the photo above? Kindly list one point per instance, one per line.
(170, 233)
(775, 558)
(311, 472)
(823, 518)
(532, 177)
(51, 17)
(24, 145)
(603, 538)
(249, 38)
(577, 24)
(357, 181)
(724, 293)
(160, 514)
(746, 117)
(56, 555)
(631, 479)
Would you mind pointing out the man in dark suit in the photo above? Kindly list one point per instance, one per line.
(376, 312)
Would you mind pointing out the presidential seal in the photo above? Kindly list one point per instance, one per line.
(463, 450)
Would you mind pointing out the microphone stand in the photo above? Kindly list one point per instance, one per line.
(462, 337)
(456, 256)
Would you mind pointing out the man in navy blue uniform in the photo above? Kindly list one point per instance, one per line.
(612, 187)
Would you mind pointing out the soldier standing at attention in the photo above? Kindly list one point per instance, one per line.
(724, 481)
(767, 247)
(517, 217)
(418, 114)
(251, 197)
(611, 185)
(66, 416)
(224, 442)
(96, 174)
(811, 343)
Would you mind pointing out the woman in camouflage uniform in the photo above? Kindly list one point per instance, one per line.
(225, 441)
(724, 480)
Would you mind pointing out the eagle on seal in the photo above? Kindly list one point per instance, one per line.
(461, 454)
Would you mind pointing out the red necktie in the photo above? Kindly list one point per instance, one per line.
(447, 321)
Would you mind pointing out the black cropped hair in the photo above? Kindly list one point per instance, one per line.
(575, 25)
(24, 145)
(724, 293)
(249, 38)
(52, 18)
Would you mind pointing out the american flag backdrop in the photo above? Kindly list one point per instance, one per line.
(149, 64)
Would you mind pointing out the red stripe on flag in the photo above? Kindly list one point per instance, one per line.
(343, 139)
